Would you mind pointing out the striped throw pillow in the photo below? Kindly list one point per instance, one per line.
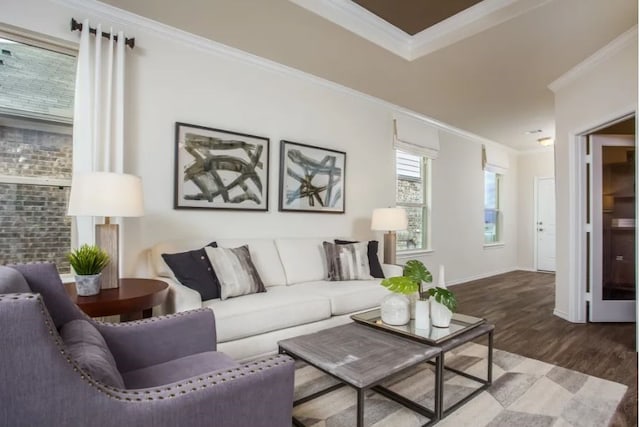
(235, 271)
(347, 262)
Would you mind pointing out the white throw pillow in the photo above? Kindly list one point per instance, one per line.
(235, 271)
(347, 262)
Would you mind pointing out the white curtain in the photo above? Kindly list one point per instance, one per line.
(495, 160)
(415, 136)
(98, 121)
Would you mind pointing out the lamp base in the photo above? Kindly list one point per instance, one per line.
(107, 239)
(390, 247)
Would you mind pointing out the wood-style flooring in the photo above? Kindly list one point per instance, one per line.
(521, 303)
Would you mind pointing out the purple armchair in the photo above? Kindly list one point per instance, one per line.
(59, 367)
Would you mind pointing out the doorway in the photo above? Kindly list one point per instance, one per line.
(545, 230)
(612, 240)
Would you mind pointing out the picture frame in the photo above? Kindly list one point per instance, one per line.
(312, 179)
(220, 169)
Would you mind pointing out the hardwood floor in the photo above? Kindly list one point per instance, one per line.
(521, 304)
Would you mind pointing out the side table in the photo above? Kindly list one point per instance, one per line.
(134, 299)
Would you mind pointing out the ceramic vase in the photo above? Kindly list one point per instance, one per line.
(440, 315)
(422, 315)
(395, 310)
(88, 285)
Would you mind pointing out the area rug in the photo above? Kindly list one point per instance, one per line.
(525, 392)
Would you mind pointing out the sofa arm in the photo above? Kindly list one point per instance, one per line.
(391, 270)
(179, 298)
(151, 341)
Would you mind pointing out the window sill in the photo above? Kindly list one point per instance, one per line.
(493, 245)
(405, 254)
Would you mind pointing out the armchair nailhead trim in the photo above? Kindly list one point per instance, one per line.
(167, 392)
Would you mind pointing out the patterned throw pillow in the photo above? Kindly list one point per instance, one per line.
(347, 262)
(372, 251)
(235, 271)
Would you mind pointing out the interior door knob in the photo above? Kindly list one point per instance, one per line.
(540, 229)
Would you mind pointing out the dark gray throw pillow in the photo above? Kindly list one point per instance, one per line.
(194, 270)
(375, 269)
(87, 348)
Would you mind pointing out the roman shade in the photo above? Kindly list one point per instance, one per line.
(415, 136)
(494, 160)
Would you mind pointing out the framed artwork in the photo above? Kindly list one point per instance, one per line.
(311, 178)
(218, 169)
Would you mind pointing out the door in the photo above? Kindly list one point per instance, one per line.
(545, 224)
(613, 236)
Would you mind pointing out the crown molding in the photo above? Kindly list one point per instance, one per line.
(369, 26)
(603, 54)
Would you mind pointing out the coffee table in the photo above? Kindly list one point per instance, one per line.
(462, 329)
(362, 358)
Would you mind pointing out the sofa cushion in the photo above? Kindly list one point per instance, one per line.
(264, 256)
(276, 309)
(347, 262)
(372, 253)
(348, 296)
(88, 349)
(235, 271)
(193, 269)
(303, 259)
(178, 369)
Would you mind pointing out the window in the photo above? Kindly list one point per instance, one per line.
(492, 208)
(36, 109)
(412, 193)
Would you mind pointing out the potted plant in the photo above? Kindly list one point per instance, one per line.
(443, 304)
(87, 262)
(395, 308)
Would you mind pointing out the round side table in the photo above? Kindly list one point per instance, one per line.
(134, 299)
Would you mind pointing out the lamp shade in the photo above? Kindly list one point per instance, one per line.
(106, 194)
(389, 219)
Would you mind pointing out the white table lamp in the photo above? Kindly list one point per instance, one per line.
(108, 195)
(389, 220)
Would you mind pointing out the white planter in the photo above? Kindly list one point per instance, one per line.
(422, 315)
(440, 315)
(88, 285)
(412, 304)
(395, 310)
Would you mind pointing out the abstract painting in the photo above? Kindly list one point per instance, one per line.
(311, 178)
(218, 169)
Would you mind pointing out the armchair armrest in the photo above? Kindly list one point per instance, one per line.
(391, 270)
(151, 341)
(179, 298)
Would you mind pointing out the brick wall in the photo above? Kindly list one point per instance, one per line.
(33, 221)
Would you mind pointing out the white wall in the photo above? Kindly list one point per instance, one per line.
(532, 165)
(605, 89)
(169, 81)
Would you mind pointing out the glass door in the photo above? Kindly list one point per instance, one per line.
(613, 243)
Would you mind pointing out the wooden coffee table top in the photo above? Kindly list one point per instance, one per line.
(133, 295)
(357, 354)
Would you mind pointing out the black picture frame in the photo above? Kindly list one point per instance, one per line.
(312, 179)
(220, 169)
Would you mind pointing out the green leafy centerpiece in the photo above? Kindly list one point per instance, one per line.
(87, 262)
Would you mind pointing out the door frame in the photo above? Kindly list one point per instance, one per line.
(536, 195)
(578, 275)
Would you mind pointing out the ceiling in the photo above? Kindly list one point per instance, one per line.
(491, 81)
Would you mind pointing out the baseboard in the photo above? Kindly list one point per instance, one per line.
(481, 276)
(527, 269)
(561, 314)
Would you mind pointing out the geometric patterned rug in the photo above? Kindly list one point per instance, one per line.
(525, 392)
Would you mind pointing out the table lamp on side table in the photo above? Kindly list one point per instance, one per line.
(389, 220)
(108, 195)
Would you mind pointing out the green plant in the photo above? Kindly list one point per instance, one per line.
(445, 297)
(413, 274)
(88, 260)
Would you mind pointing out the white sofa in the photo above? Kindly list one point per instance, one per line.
(298, 299)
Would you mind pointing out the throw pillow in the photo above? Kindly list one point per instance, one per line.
(347, 262)
(372, 252)
(194, 270)
(235, 271)
(88, 349)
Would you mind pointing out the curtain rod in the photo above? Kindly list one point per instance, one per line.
(77, 26)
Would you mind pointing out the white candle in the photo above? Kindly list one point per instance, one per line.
(441, 282)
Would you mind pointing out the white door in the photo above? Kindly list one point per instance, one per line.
(545, 224)
(613, 235)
